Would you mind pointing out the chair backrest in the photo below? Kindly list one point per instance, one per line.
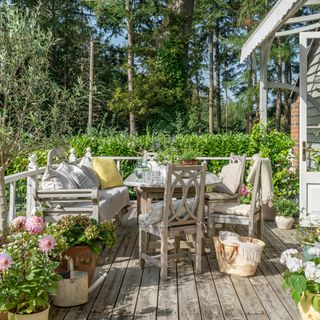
(56, 156)
(256, 192)
(189, 183)
(239, 159)
(149, 155)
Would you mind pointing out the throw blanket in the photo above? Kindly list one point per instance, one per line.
(266, 179)
(248, 250)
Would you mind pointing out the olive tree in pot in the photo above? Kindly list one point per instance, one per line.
(287, 211)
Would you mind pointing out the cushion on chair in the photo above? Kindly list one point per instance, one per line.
(87, 166)
(107, 171)
(82, 179)
(156, 213)
(55, 180)
(220, 196)
(232, 208)
(230, 175)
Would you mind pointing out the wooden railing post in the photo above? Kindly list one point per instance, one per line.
(12, 202)
(32, 183)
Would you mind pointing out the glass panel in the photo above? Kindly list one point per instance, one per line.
(313, 107)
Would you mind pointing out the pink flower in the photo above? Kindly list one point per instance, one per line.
(34, 224)
(5, 262)
(18, 223)
(46, 243)
(244, 190)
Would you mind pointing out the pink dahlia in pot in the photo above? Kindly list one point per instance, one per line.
(5, 261)
(18, 223)
(46, 243)
(34, 224)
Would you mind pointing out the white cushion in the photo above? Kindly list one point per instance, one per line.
(55, 180)
(220, 196)
(82, 179)
(87, 166)
(156, 214)
(230, 175)
(232, 208)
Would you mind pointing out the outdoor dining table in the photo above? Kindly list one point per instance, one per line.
(151, 184)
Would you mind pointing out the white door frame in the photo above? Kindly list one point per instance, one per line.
(307, 179)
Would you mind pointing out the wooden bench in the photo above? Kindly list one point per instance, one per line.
(99, 204)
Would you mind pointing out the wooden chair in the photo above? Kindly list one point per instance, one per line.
(240, 214)
(178, 217)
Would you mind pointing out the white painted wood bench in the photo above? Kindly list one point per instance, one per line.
(98, 204)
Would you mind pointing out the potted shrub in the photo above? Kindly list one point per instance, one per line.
(188, 157)
(287, 210)
(86, 238)
(28, 274)
(303, 280)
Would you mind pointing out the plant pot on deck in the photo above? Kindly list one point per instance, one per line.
(3, 315)
(306, 309)
(84, 259)
(191, 162)
(43, 315)
(284, 223)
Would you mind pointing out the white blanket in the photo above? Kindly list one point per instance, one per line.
(248, 250)
(266, 179)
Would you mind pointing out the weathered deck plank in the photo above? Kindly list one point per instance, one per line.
(131, 293)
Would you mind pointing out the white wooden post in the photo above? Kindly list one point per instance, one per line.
(264, 56)
(32, 184)
(88, 153)
(12, 202)
(73, 156)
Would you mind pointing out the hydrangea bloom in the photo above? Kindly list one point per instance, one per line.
(34, 224)
(46, 243)
(310, 270)
(5, 262)
(294, 264)
(314, 251)
(287, 254)
(18, 223)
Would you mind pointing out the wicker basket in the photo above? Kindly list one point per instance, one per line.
(231, 262)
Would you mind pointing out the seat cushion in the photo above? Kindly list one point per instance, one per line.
(230, 175)
(220, 196)
(112, 201)
(232, 208)
(155, 215)
(107, 171)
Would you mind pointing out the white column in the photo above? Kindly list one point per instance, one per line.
(32, 184)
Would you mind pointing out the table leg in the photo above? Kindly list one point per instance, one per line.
(138, 194)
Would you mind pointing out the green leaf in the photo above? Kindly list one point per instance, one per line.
(296, 296)
(297, 282)
(315, 301)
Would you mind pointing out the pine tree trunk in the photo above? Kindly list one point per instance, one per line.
(218, 84)
(198, 101)
(211, 79)
(3, 201)
(132, 120)
(279, 95)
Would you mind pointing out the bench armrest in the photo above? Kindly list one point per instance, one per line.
(70, 194)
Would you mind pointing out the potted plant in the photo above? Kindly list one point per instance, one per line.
(287, 210)
(86, 238)
(308, 237)
(188, 157)
(27, 272)
(303, 280)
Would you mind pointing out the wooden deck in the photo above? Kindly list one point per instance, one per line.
(128, 292)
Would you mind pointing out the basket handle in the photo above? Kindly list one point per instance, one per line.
(223, 252)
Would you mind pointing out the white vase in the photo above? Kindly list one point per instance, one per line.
(43, 315)
(284, 223)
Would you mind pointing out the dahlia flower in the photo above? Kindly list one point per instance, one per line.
(5, 261)
(244, 190)
(34, 224)
(46, 243)
(18, 223)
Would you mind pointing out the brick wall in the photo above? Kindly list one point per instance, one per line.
(295, 109)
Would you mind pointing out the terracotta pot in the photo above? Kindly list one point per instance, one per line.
(3, 315)
(43, 315)
(192, 162)
(83, 259)
(284, 223)
(306, 309)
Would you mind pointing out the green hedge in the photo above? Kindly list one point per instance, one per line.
(273, 144)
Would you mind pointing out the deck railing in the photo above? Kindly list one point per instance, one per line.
(31, 175)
